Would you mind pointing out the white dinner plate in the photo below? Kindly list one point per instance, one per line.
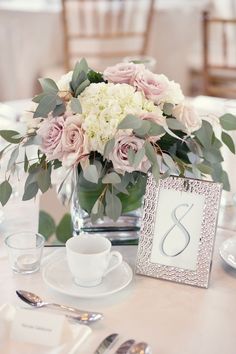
(228, 251)
(57, 276)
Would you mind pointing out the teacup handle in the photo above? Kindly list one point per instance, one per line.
(119, 259)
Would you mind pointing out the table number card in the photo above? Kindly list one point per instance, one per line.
(178, 230)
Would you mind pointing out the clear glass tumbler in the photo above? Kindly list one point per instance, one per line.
(25, 251)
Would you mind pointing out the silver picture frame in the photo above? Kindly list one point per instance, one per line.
(178, 230)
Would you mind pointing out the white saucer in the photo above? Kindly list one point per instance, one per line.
(57, 276)
(228, 251)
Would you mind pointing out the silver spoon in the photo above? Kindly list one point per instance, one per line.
(140, 348)
(82, 316)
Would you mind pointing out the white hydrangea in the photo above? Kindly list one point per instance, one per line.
(104, 106)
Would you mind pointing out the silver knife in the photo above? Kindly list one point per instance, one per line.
(107, 343)
(124, 347)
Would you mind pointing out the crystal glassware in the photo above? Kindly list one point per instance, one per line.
(25, 251)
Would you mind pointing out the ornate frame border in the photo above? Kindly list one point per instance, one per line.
(212, 193)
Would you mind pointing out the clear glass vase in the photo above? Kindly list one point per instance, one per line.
(126, 228)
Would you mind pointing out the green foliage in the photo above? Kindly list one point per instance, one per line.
(47, 225)
(5, 192)
(95, 77)
(11, 136)
(228, 141)
(64, 230)
(75, 105)
(228, 121)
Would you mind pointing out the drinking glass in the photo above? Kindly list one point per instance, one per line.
(25, 251)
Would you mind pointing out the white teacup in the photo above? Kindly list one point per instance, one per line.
(90, 259)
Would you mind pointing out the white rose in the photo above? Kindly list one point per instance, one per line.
(64, 82)
(188, 116)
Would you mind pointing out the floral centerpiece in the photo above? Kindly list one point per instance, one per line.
(113, 128)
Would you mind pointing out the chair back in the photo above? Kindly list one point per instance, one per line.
(105, 31)
(219, 55)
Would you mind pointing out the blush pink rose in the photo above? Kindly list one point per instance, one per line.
(50, 132)
(122, 73)
(73, 142)
(119, 155)
(188, 116)
(158, 88)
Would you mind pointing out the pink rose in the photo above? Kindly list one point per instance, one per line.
(73, 142)
(51, 132)
(122, 73)
(157, 87)
(119, 155)
(188, 116)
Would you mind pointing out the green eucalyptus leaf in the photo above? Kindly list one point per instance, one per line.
(219, 175)
(169, 162)
(33, 140)
(48, 85)
(46, 105)
(13, 158)
(59, 110)
(98, 166)
(77, 80)
(111, 178)
(39, 97)
(216, 143)
(168, 108)
(5, 192)
(26, 162)
(113, 210)
(44, 180)
(91, 174)
(206, 169)
(30, 191)
(228, 121)
(130, 122)
(212, 155)
(150, 153)
(205, 134)
(225, 181)
(108, 196)
(174, 124)
(138, 157)
(82, 87)
(109, 147)
(64, 230)
(97, 211)
(11, 136)
(131, 156)
(83, 65)
(143, 129)
(47, 225)
(155, 129)
(76, 105)
(228, 141)
(156, 172)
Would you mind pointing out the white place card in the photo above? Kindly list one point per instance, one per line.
(37, 327)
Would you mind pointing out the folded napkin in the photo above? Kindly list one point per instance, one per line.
(71, 338)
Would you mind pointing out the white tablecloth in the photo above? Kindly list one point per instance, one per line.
(173, 318)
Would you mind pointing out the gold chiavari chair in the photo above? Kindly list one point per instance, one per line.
(105, 31)
(219, 66)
